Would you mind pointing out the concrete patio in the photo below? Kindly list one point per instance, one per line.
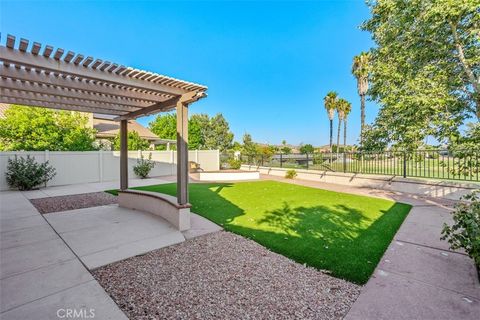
(45, 260)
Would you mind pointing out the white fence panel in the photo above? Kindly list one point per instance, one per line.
(97, 166)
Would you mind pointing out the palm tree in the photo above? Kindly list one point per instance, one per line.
(341, 106)
(330, 102)
(346, 110)
(360, 69)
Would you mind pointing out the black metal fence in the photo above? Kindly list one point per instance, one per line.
(437, 164)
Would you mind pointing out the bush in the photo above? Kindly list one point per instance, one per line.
(144, 166)
(290, 174)
(465, 231)
(26, 173)
(234, 163)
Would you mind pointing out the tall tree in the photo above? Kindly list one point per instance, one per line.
(330, 102)
(360, 69)
(203, 132)
(341, 105)
(285, 148)
(134, 142)
(165, 126)
(217, 134)
(37, 129)
(307, 148)
(346, 111)
(249, 147)
(425, 71)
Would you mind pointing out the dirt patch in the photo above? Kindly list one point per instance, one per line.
(223, 276)
(72, 202)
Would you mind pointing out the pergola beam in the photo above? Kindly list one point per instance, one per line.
(70, 93)
(28, 59)
(64, 101)
(166, 105)
(77, 84)
(44, 104)
(157, 107)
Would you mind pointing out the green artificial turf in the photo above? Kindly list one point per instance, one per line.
(343, 233)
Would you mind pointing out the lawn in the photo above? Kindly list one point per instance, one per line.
(342, 233)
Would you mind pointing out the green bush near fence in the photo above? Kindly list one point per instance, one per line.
(27, 174)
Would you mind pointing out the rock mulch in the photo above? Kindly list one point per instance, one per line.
(72, 202)
(223, 276)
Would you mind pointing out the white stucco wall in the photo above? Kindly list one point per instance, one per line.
(97, 166)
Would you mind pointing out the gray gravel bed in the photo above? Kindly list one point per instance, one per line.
(223, 276)
(72, 202)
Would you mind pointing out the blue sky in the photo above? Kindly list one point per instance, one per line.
(268, 65)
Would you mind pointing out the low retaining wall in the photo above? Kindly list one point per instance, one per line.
(433, 188)
(161, 205)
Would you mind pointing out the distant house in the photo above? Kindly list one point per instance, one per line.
(107, 129)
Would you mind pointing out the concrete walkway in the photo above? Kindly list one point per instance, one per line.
(44, 260)
(418, 276)
(40, 277)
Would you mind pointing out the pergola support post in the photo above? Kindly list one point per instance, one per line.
(182, 152)
(123, 155)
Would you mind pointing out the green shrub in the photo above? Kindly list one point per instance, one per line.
(290, 174)
(144, 166)
(26, 173)
(234, 163)
(465, 231)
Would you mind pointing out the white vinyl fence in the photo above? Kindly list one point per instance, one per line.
(97, 166)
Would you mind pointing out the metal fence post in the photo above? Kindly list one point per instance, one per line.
(281, 160)
(404, 164)
(307, 160)
(344, 162)
(262, 160)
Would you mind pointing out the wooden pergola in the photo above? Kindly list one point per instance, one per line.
(36, 75)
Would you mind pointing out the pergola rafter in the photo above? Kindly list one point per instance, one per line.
(36, 75)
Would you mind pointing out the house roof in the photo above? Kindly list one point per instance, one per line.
(109, 128)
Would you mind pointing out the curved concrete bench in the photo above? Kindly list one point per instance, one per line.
(159, 204)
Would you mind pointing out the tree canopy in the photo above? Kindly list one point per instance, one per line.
(135, 142)
(38, 129)
(425, 71)
(307, 148)
(203, 132)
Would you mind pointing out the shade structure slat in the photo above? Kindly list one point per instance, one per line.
(87, 61)
(44, 104)
(74, 83)
(105, 65)
(36, 48)
(47, 51)
(120, 69)
(58, 54)
(10, 41)
(63, 100)
(78, 59)
(96, 63)
(69, 56)
(74, 94)
(23, 45)
(112, 67)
